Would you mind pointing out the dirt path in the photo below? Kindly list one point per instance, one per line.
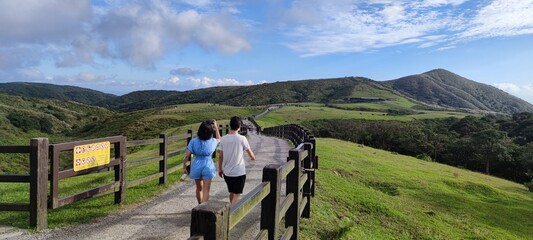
(168, 215)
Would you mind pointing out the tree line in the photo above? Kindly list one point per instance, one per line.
(495, 145)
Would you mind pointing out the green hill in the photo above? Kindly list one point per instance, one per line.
(366, 193)
(57, 92)
(447, 89)
(23, 118)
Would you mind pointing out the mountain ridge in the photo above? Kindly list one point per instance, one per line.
(435, 88)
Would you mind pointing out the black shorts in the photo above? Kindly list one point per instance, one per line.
(235, 184)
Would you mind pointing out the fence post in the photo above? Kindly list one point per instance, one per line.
(211, 220)
(307, 186)
(227, 129)
(270, 204)
(39, 183)
(163, 163)
(314, 165)
(292, 217)
(120, 170)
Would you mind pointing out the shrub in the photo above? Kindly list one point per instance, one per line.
(529, 185)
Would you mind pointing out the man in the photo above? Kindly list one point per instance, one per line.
(231, 160)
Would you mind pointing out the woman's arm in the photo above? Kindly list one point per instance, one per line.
(217, 133)
(186, 158)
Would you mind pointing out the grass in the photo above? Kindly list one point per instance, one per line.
(89, 209)
(294, 114)
(366, 193)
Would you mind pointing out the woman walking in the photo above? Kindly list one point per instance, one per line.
(202, 168)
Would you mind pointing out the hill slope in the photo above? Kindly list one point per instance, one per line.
(366, 193)
(51, 91)
(444, 88)
(434, 88)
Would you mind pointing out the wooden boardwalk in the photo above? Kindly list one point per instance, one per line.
(168, 215)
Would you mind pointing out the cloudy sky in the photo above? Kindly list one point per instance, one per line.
(119, 46)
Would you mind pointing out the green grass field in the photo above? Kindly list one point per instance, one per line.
(294, 114)
(366, 193)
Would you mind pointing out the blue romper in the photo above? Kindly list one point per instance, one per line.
(202, 167)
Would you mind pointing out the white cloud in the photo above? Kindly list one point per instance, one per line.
(184, 71)
(42, 21)
(319, 27)
(522, 91)
(203, 82)
(502, 18)
(74, 33)
(82, 79)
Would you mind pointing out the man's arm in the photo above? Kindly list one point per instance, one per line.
(220, 160)
(250, 153)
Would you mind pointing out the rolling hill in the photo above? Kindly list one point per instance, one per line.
(447, 89)
(437, 88)
(57, 92)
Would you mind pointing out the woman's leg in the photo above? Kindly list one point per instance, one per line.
(199, 189)
(205, 189)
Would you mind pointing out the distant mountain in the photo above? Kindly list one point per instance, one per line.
(438, 87)
(51, 91)
(444, 88)
(322, 90)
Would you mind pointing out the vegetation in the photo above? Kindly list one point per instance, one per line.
(366, 193)
(493, 145)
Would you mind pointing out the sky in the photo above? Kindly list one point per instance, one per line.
(118, 46)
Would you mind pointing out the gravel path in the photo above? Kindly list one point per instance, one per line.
(168, 215)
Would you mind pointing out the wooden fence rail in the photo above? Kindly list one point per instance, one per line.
(41, 153)
(215, 219)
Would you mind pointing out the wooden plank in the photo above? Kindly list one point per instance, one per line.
(139, 162)
(263, 234)
(244, 206)
(288, 233)
(177, 152)
(21, 178)
(133, 143)
(210, 219)
(178, 137)
(285, 206)
(14, 207)
(303, 180)
(174, 169)
(106, 188)
(143, 180)
(302, 205)
(14, 149)
(270, 205)
(196, 237)
(71, 173)
(39, 183)
(286, 169)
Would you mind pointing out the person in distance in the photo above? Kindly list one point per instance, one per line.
(202, 168)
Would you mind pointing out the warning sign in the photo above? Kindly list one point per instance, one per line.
(91, 155)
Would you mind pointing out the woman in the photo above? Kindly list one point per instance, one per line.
(202, 168)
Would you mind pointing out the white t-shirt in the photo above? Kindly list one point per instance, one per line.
(233, 147)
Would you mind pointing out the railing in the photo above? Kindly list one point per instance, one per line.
(215, 219)
(41, 153)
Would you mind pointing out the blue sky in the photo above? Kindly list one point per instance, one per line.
(119, 46)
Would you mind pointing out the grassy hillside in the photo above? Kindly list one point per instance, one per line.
(366, 193)
(57, 92)
(23, 118)
(299, 114)
(444, 88)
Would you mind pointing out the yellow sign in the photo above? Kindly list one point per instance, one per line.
(91, 155)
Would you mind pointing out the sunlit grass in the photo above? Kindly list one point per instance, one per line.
(366, 193)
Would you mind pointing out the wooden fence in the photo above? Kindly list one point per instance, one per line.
(41, 153)
(215, 219)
